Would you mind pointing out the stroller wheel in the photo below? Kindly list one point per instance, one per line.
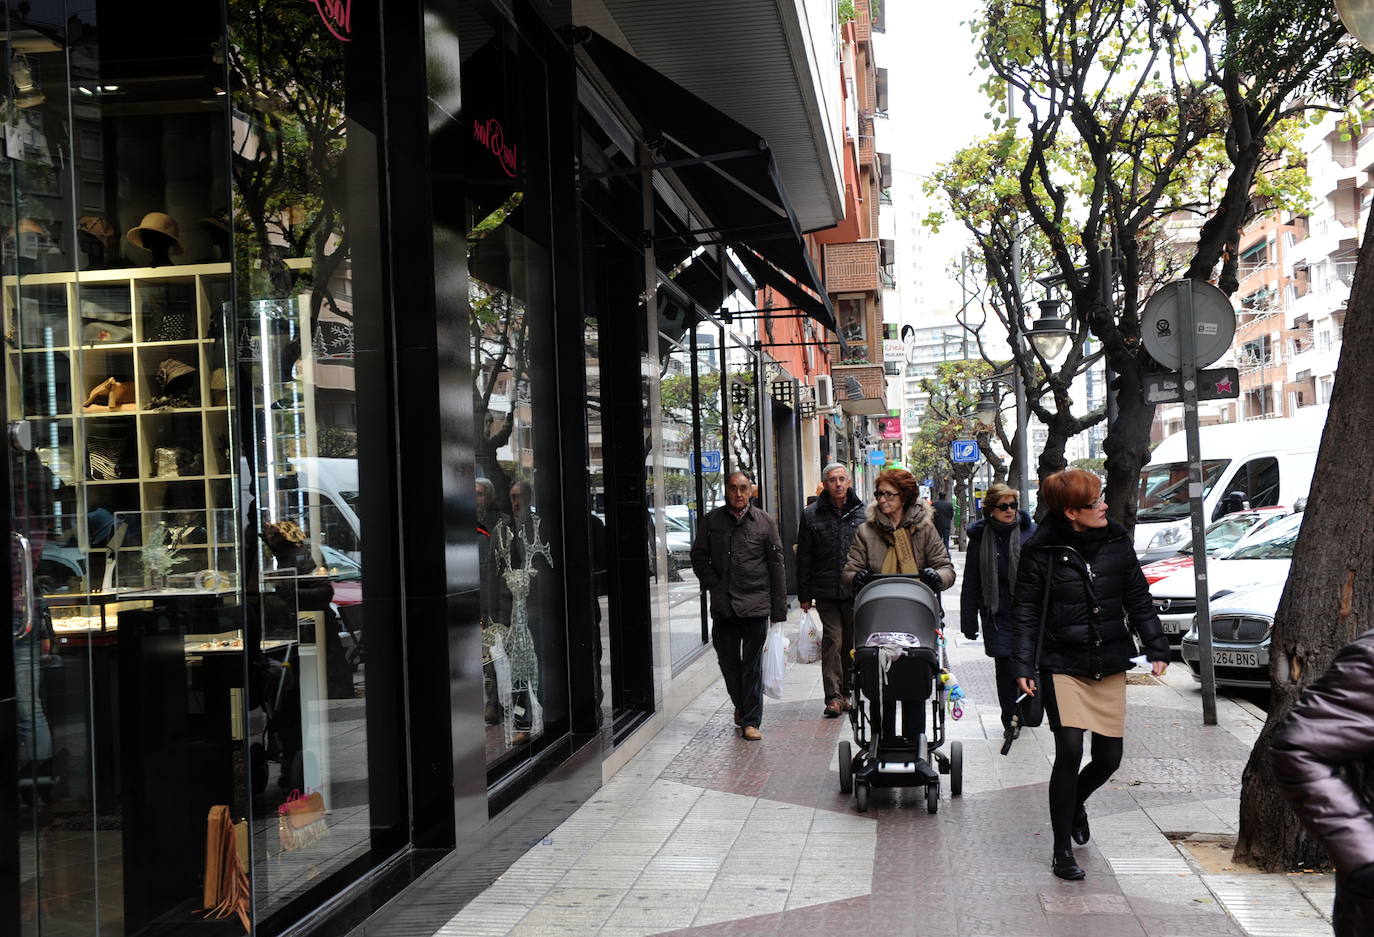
(956, 769)
(846, 769)
(933, 797)
(861, 796)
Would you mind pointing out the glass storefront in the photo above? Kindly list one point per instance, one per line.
(191, 285)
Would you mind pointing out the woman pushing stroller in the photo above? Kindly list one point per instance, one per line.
(1079, 583)
(898, 537)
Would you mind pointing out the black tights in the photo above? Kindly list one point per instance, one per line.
(1070, 787)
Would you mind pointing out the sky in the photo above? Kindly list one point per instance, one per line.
(935, 108)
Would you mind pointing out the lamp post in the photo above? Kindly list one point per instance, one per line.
(1050, 334)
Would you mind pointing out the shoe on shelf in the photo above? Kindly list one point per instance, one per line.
(751, 733)
(738, 717)
(834, 708)
(1065, 866)
(1080, 826)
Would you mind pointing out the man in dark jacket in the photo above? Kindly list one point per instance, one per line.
(1323, 759)
(737, 555)
(823, 539)
(942, 515)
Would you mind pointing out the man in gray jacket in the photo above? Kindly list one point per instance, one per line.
(823, 537)
(737, 555)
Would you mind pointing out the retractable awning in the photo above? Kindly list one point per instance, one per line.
(728, 170)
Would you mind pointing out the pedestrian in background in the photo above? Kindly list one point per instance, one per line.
(990, 567)
(943, 517)
(897, 536)
(1077, 584)
(737, 556)
(1323, 760)
(823, 537)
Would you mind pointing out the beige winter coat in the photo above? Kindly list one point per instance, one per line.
(872, 541)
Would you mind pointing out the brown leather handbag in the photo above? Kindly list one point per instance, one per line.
(226, 881)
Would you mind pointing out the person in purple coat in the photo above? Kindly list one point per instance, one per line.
(1323, 761)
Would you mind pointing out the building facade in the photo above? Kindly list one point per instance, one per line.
(368, 371)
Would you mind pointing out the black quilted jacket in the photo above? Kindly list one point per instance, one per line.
(823, 539)
(1092, 609)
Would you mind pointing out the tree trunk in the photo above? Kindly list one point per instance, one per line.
(1127, 443)
(1334, 602)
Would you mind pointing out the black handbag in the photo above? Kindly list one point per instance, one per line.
(1032, 708)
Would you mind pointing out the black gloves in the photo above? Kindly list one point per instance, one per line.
(931, 578)
(970, 633)
(861, 578)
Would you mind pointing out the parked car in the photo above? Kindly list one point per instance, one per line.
(678, 526)
(1244, 465)
(1265, 558)
(1220, 536)
(1242, 627)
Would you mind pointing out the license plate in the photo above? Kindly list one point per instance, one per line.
(1235, 658)
(1171, 625)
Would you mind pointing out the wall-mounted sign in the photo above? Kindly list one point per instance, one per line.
(890, 427)
(894, 349)
(490, 134)
(337, 16)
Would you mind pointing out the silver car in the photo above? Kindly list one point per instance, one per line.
(1242, 626)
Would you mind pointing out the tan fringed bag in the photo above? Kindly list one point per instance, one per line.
(226, 881)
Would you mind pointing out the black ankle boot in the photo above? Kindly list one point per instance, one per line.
(1080, 825)
(1066, 866)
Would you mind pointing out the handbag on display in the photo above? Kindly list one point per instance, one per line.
(300, 821)
(226, 853)
(104, 454)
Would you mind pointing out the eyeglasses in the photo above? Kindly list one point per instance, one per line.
(1008, 506)
(1088, 507)
(885, 494)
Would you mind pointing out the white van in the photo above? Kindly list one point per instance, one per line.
(1244, 465)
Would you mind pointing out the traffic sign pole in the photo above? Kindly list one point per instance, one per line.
(1187, 347)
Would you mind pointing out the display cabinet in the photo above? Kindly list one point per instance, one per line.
(122, 378)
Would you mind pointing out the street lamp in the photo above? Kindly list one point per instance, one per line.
(988, 406)
(1050, 334)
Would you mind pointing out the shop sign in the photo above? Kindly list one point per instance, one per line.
(877, 457)
(891, 427)
(894, 349)
(337, 16)
(491, 135)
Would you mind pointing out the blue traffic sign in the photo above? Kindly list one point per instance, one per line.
(709, 462)
(877, 457)
(963, 450)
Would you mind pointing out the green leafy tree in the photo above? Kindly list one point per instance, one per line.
(1136, 115)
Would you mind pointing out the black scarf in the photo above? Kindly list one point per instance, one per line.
(987, 560)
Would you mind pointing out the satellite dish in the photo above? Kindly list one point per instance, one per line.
(1357, 16)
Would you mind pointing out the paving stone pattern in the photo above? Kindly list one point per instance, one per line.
(705, 835)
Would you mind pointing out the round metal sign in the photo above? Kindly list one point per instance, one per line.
(1214, 324)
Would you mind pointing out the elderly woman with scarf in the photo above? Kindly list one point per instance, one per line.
(994, 554)
(898, 536)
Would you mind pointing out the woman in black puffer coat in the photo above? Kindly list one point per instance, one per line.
(1096, 596)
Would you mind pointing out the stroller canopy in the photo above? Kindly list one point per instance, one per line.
(896, 604)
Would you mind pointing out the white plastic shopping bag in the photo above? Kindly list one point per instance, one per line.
(808, 644)
(774, 662)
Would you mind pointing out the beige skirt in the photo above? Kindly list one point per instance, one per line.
(1099, 706)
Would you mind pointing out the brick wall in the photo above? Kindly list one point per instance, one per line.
(851, 268)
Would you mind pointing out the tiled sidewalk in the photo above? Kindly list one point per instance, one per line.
(706, 834)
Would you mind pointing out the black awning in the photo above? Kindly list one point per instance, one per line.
(728, 169)
(766, 274)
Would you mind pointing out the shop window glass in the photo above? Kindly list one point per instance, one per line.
(498, 140)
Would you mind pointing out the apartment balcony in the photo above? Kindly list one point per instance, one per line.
(863, 21)
(867, 150)
(852, 267)
(860, 388)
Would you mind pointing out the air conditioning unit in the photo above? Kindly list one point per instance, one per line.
(825, 392)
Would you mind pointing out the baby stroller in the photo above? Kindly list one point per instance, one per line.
(897, 665)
